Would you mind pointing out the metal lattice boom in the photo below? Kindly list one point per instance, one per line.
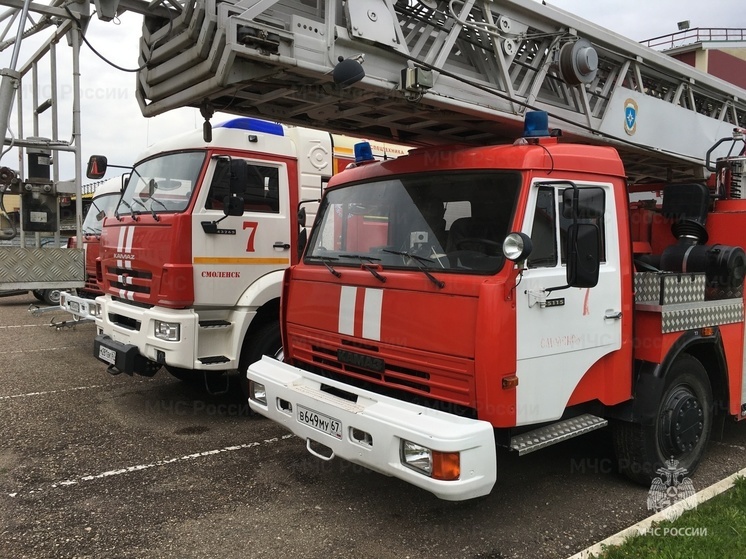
(488, 61)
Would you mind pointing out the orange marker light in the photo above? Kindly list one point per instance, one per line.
(510, 382)
(446, 465)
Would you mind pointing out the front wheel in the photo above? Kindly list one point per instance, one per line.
(265, 341)
(681, 428)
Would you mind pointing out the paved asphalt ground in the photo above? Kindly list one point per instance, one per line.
(116, 467)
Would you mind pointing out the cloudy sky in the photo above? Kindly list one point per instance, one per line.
(113, 125)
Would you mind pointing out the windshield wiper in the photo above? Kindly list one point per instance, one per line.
(325, 260)
(418, 260)
(116, 212)
(154, 199)
(151, 210)
(369, 267)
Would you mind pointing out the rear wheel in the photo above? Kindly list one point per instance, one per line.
(51, 296)
(266, 341)
(681, 428)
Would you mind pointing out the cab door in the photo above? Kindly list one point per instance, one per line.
(562, 331)
(233, 251)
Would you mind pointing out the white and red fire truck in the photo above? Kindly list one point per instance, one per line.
(193, 254)
(461, 298)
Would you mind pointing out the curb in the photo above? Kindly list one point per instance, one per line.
(670, 513)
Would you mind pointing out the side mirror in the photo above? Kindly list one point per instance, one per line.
(233, 205)
(239, 176)
(583, 255)
(96, 167)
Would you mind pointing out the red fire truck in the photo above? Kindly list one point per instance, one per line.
(455, 299)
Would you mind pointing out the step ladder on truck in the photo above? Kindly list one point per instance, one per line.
(460, 298)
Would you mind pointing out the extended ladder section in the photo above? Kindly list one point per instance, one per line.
(437, 71)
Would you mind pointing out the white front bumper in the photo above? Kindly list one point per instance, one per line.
(80, 307)
(388, 421)
(180, 353)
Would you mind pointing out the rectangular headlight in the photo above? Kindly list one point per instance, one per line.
(445, 466)
(257, 392)
(95, 309)
(169, 331)
(417, 457)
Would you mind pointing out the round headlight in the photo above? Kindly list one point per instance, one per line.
(517, 246)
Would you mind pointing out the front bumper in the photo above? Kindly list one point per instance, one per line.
(387, 420)
(139, 333)
(82, 308)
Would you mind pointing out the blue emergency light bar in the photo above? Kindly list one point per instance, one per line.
(536, 124)
(253, 125)
(363, 152)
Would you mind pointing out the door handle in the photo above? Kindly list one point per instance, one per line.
(282, 245)
(613, 315)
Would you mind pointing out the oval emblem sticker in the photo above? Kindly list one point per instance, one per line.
(630, 116)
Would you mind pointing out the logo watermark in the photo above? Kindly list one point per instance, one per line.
(670, 487)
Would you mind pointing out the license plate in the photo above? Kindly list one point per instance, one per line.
(108, 355)
(319, 421)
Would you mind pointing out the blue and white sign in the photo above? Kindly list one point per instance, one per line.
(630, 116)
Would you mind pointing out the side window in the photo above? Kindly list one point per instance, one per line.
(220, 186)
(543, 231)
(592, 210)
(262, 189)
(258, 185)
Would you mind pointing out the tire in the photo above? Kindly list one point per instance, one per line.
(266, 341)
(39, 294)
(681, 428)
(51, 296)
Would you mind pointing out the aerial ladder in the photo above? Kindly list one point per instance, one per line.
(417, 72)
(438, 71)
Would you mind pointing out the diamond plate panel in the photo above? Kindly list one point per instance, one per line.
(56, 266)
(555, 433)
(712, 313)
(669, 288)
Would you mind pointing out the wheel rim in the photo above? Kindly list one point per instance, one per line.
(683, 422)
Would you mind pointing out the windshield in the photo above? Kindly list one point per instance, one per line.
(162, 184)
(453, 222)
(101, 207)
